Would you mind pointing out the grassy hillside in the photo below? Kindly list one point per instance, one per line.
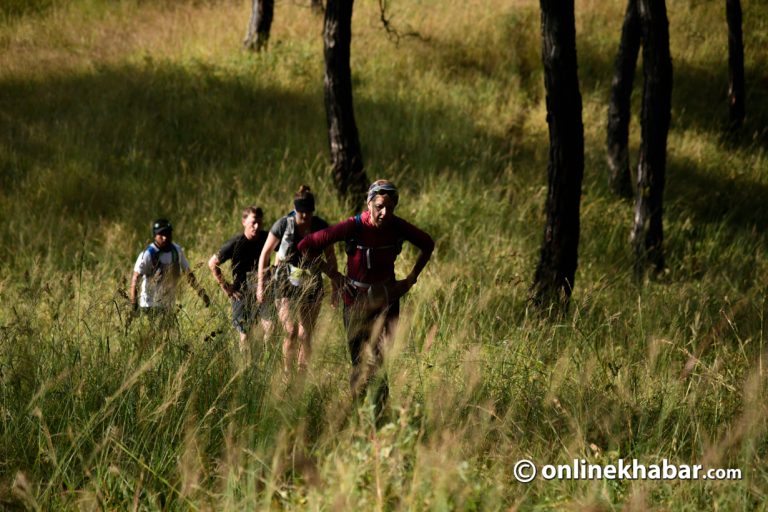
(116, 112)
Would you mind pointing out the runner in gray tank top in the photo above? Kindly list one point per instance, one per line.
(297, 282)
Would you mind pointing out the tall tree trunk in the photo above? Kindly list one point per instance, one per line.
(554, 278)
(258, 26)
(346, 157)
(648, 233)
(736, 108)
(620, 178)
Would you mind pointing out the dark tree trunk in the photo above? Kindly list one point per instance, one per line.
(258, 26)
(619, 107)
(648, 233)
(346, 157)
(736, 108)
(553, 282)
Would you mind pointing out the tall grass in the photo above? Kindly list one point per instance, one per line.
(112, 113)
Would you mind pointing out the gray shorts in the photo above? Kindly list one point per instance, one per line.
(245, 311)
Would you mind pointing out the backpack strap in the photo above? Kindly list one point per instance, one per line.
(286, 243)
(154, 255)
(352, 244)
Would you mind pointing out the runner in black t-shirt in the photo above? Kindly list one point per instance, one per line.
(243, 251)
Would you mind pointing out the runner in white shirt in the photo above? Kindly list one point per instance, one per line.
(160, 266)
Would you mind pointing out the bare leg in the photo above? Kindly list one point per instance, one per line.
(243, 345)
(267, 326)
(307, 320)
(289, 342)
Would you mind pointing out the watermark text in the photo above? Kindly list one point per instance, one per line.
(526, 471)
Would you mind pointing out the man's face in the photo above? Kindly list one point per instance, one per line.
(251, 225)
(382, 209)
(163, 239)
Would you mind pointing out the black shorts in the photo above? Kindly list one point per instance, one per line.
(359, 321)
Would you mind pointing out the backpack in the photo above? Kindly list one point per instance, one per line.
(352, 245)
(286, 243)
(287, 248)
(157, 268)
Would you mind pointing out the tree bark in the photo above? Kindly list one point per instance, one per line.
(346, 156)
(648, 232)
(620, 179)
(736, 102)
(257, 35)
(555, 273)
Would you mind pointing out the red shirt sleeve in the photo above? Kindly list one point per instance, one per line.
(314, 243)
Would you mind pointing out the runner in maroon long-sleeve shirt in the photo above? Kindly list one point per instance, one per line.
(373, 242)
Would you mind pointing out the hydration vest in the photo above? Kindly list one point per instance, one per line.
(352, 244)
(287, 245)
(157, 267)
(295, 274)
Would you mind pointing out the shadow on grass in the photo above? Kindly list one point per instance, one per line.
(113, 142)
(14, 9)
(708, 199)
(699, 96)
(698, 106)
(155, 119)
(118, 142)
(736, 203)
(116, 117)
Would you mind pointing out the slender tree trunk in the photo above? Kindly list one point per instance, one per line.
(736, 108)
(258, 26)
(648, 233)
(346, 157)
(619, 107)
(554, 278)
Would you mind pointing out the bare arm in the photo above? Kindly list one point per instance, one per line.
(228, 288)
(266, 251)
(132, 291)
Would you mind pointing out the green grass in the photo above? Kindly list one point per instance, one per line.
(113, 113)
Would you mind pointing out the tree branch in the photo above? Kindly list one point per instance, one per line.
(392, 33)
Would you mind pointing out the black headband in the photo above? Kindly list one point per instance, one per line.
(306, 205)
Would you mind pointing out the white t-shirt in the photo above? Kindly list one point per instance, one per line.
(158, 282)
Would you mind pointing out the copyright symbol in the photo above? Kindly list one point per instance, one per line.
(524, 471)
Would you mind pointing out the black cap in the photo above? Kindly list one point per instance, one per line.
(160, 226)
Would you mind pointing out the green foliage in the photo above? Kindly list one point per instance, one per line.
(113, 113)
